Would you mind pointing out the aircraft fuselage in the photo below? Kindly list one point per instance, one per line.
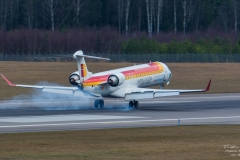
(138, 76)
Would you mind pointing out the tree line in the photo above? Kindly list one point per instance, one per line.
(34, 26)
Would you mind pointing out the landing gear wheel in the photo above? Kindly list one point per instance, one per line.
(101, 103)
(96, 103)
(131, 104)
(136, 104)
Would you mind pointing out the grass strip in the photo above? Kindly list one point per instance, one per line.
(176, 142)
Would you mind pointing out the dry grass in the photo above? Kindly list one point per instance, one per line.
(225, 76)
(179, 142)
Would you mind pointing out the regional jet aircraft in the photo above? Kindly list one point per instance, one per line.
(129, 82)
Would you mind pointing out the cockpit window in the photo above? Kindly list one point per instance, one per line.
(170, 75)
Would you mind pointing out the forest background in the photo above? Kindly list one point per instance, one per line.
(119, 26)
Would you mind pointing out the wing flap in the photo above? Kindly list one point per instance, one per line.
(58, 91)
(174, 90)
(46, 87)
(54, 89)
(165, 94)
(139, 95)
(147, 93)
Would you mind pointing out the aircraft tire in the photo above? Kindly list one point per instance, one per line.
(101, 103)
(136, 104)
(131, 104)
(96, 103)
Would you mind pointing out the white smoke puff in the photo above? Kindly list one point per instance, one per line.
(48, 101)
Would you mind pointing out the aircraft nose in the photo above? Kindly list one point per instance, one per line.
(170, 75)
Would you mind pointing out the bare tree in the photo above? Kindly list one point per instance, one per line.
(29, 9)
(235, 16)
(154, 14)
(120, 13)
(50, 6)
(184, 15)
(198, 14)
(151, 15)
(3, 13)
(223, 13)
(149, 18)
(13, 5)
(79, 7)
(139, 15)
(187, 13)
(66, 9)
(126, 18)
(159, 12)
(175, 17)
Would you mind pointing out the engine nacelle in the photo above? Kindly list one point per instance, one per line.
(74, 79)
(115, 80)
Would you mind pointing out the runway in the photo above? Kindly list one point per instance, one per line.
(79, 114)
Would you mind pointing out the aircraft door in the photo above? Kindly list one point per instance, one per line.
(130, 83)
(165, 76)
(132, 80)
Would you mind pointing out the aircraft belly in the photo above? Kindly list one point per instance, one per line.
(103, 90)
(126, 87)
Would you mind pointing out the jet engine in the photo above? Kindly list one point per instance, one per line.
(115, 80)
(74, 79)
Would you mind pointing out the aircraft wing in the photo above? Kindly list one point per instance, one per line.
(74, 91)
(144, 93)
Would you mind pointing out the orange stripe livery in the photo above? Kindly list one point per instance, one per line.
(83, 70)
(153, 68)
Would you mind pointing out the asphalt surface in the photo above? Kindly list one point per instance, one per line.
(79, 114)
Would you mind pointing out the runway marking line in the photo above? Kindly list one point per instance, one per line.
(135, 121)
(64, 118)
(172, 98)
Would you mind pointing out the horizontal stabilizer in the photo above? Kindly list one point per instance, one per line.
(80, 54)
(75, 55)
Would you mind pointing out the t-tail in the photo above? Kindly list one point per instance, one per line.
(81, 64)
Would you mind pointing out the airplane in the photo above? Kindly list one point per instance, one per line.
(129, 83)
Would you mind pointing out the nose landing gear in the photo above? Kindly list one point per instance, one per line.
(134, 104)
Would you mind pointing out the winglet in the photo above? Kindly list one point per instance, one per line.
(208, 87)
(9, 83)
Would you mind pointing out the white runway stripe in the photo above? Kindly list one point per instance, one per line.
(115, 122)
(59, 118)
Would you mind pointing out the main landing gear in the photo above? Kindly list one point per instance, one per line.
(98, 103)
(134, 104)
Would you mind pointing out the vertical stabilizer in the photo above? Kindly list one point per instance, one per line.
(81, 64)
(82, 67)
